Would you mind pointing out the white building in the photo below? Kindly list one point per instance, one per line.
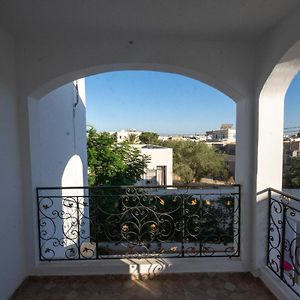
(200, 137)
(125, 135)
(226, 133)
(164, 138)
(160, 167)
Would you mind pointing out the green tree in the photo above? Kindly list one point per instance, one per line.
(113, 163)
(132, 138)
(293, 176)
(193, 161)
(148, 137)
(185, 172)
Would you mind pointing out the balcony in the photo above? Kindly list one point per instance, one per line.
(147, 228)
(115, 222)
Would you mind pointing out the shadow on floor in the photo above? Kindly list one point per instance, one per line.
(165, 286)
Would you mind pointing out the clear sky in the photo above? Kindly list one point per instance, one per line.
(165, 103)
(292, 104)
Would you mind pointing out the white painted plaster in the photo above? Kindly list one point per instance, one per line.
(116, 266)
(58, 149)
(61, 135)
(73, 167)
(273, 45)
(270, 145)
(158, 156)
(12, 258)
(243, 173)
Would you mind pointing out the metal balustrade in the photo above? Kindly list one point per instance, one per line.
(106, 222)
(283, 256)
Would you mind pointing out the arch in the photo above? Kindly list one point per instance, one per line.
(243, 150)
(282, 74)
(271, 107)
(276, 45)
(269, 151)
(66, 78)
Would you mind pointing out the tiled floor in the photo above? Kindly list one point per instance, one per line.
(169, 286)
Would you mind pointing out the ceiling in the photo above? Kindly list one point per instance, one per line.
(240, 19)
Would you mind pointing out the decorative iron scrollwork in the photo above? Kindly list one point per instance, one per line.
(284, 238)
(118, 222)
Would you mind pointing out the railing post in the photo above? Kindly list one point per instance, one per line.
(200, 218)
(183, 225)
(78, 228)
(269, 225)
(239, 219)
(95, 217)
(282, 242)
(39, 222)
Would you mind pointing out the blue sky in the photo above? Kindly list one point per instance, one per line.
(165, 103)
(292, 104)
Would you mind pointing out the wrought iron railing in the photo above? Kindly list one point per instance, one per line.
(80, 223)
(284, 238)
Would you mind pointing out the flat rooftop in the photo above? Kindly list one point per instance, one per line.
(149, 146)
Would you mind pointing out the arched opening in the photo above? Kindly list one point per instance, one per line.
(291, 140)
(241, 175)
(60, 120)
(278, 214)
(176, 110)
(271, 107)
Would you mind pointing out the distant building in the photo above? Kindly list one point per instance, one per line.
(124, 135)
(160, 167)
(177, 138)
(164, 138)
(200, 137)
(226, 133)
(291, 149)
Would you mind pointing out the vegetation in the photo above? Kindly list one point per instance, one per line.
(133, 138)
(194, 161)
(121, 164)
(207, 221)
(293, 176)
(148, 137)
(113, 163)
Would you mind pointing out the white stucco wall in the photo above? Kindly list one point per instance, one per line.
(12, 258)
(270, 123)
(159, 156)
(61, 135)
(225, 65)
(58, 150)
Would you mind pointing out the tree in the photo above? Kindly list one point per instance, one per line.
(148, 137)
(132, 138)
(193, 161)
(293, 176)
(185, 172)
(113, 163)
